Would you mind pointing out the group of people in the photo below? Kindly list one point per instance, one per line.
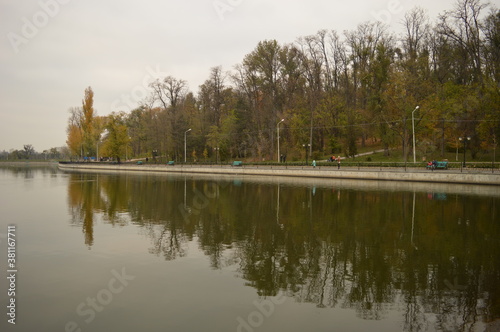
(432, 164)
(331, 159)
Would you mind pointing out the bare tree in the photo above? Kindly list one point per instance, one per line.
(462, 26)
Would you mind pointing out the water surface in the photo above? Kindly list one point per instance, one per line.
(138, 252)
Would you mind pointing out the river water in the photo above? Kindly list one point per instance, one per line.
(140, 252)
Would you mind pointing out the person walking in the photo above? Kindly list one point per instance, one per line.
(338, 162)
(314, 164)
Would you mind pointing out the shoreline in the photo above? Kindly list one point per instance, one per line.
(29, 163)
(391, 174)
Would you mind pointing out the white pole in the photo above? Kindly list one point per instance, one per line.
(185, 145)
(278, 126)
(413, 125)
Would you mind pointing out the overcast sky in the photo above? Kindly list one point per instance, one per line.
(51, 50)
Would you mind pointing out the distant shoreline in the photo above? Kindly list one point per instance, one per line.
(29, 163)
(390, 174)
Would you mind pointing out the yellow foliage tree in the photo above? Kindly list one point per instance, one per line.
(75, 139)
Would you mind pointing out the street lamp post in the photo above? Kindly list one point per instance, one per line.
(216, 149)
(155, 154)
(413, 127)
(278, 129)
(185, 145)
(126, 147)
(465, 140)
(101, 136)
(305, 147)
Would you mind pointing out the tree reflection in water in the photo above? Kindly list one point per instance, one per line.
(436, 260)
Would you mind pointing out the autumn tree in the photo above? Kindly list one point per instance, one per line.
(88, 124)
(74, 132)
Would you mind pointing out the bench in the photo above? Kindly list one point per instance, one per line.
(171, 162)
(437, 165)
(139, 162)
(237, 163)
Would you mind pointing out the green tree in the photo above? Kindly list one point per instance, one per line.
(116, 139)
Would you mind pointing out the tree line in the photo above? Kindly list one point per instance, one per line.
(28, 152)
(335, 92)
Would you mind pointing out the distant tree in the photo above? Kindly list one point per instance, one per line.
(54, 153)
(28, 151)
(4, 155)
(17, 154)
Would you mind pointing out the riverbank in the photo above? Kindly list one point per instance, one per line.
(389, 174)
(29, 163)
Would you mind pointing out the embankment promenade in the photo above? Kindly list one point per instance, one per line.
(458, 176)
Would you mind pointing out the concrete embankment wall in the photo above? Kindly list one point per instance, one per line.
(439, 176)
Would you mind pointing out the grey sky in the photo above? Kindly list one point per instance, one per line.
(51, 50)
